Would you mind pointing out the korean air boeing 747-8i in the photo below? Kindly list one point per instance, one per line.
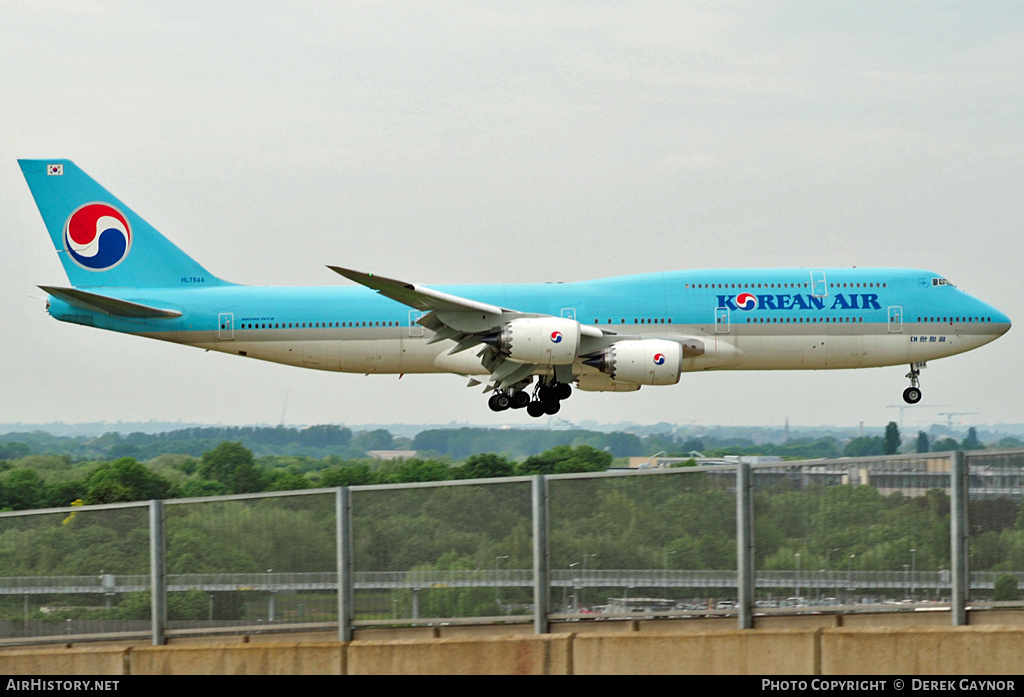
(527, 344)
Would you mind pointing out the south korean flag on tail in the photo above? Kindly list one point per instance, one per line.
(55, 170)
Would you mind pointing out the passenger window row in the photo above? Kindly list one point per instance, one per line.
(313, 325)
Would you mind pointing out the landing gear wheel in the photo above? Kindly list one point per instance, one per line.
(551, 408)
(499, 401)
(554, 392)
(535, 409)
(520, 399)
(912, 395)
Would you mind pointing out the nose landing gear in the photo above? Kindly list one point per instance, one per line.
(912, 395)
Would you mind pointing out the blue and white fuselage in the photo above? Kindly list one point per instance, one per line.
(612, 334)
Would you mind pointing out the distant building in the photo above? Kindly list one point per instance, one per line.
(631, 605)
(657, 462)
(392, 454)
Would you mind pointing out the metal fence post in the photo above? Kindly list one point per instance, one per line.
(959, 571)
(745, 545)
(157, 571)
(343, 514)
(541, 555)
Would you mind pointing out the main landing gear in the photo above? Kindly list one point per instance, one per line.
(546, 399)
(912, 395)
(500, 401)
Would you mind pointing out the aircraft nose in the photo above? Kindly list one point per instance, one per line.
(1004, 323)
(1000, 322)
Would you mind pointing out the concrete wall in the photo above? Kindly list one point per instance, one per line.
(937, 618)
(510, 655)
(923, 651)
(66, 661)
(239, 659)
(985, 650)
(766, 652)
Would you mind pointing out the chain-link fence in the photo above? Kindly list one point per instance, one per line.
(454, 551)
(75, 572)
(896, 532)
(651, 542)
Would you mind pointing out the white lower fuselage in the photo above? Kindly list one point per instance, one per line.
(395, 351)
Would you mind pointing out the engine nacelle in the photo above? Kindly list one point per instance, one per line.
(540, 340)
(641, 362)
(603, 383)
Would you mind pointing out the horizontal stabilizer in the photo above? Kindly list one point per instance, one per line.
(94, 302)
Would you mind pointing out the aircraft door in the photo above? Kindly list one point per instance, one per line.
(569, 313)
(895, 319)
(721, 320)
(226, 324)
(311, 353)
(819, 288)
(415, 329)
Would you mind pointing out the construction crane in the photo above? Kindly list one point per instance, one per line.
(950, 414)
(901, 407)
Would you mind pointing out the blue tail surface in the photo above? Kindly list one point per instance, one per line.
(100, 241)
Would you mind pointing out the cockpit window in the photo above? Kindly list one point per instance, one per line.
(940, 282)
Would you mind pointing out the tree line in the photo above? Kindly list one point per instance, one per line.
(459, 443)
(48, 481)
(189, 465)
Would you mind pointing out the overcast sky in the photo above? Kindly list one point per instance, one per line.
(514, 142)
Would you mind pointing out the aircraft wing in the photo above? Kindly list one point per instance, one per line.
(415, 296)
(466, 322)
(451, 310)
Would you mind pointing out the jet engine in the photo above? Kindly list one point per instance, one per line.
(641, 362)
(540, 340)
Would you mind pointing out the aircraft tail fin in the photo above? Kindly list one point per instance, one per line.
(100, 241)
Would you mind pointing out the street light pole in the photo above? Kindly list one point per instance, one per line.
(497, 600)
(913, 570)
(575, 585)
(849, 580)
(828, 564)
(797, 574)
(664, 589)
(583, 580)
